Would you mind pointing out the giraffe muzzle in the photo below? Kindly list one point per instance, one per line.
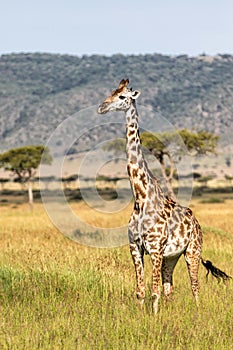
(103, 108)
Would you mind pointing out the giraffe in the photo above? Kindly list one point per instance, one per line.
(158, 225)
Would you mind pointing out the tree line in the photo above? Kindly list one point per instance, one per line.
(23, 162)
(159, 145)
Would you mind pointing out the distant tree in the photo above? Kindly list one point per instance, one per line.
(196, 143)
(205, 179)
(229, 178)
(23, 162)
(46, 180)
(200, 142)
(117, 146)
(69, 179)
(70, 151)
(228, 161)
(159, 144)
(3, 181)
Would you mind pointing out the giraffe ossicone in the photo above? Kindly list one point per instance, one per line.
(158, 225)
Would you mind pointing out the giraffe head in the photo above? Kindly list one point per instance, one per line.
(120, 99)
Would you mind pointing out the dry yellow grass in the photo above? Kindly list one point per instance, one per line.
(102, 218)
(57, 294)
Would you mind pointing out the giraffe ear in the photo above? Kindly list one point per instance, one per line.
(135, 94)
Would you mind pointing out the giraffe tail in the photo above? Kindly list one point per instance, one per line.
(215, 271)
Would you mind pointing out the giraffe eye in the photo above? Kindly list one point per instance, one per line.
(122, 97)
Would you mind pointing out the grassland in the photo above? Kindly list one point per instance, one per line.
(56, 294)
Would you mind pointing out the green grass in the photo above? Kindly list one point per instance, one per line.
(88, 310)
(212, 200)
(56, 294)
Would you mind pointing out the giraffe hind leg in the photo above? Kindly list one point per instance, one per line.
(193, 261)
(168, 266)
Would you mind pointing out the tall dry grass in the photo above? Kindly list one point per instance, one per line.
(56, 294)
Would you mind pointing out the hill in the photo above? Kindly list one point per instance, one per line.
(38, 91)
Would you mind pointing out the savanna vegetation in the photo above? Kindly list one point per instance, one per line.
(23, 163)
(169, 147)
(58, 294)
(38, 91)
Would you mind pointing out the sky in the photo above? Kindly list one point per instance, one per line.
(108, 27)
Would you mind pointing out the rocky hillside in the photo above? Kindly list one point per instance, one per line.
(38, 91)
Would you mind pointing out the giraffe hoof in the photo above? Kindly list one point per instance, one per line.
(141, 303)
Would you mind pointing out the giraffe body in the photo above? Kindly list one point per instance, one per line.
(158, 226)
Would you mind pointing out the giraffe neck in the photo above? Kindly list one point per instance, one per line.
(140, 176)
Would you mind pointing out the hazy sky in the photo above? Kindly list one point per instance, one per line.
(106, 27)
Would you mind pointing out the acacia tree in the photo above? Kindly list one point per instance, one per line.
(23, 162)
(159, 144)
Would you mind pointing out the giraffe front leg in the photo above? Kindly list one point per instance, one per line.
(156, 259)
(137, 256)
